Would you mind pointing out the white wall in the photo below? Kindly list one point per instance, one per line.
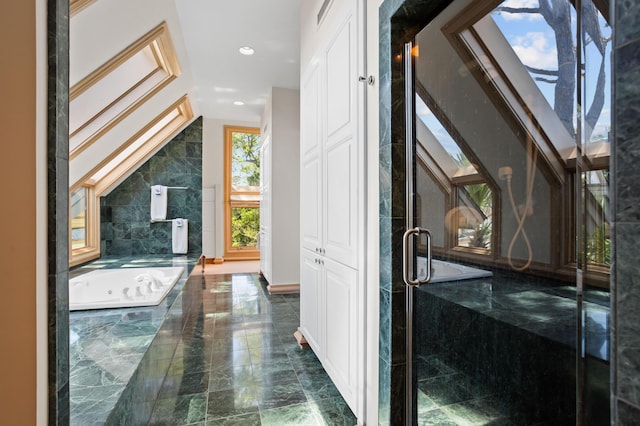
(285, 185)
(309, 39)
(213, 169)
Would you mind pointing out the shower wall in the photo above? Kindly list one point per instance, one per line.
(125, 227)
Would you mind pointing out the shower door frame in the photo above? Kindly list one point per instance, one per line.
(400, 22)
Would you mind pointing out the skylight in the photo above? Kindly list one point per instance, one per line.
(134, 146)
(137, 149)
(116, 89)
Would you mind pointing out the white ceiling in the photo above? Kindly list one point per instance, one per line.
(214, 30)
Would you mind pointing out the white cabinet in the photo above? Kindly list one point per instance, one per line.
(340, 351)
(331, 156)
(280, 191)
(332, 200)
(328, 308)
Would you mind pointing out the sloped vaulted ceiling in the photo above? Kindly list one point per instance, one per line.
(206, 36)
(99, 33)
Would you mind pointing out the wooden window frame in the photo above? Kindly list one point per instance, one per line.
(92, 228)
(450, 185)
(236, 253)
(76, 6)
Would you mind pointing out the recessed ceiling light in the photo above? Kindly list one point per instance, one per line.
(246, 50)
(239, 103)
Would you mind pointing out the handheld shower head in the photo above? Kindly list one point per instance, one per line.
(505, 173)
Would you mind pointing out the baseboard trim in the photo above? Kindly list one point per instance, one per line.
(215, 260)
(283, 289)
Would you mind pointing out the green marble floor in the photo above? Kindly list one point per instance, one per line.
(238, 363)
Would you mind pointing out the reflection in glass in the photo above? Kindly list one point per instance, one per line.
(443, 137)
(468, 224)
(596, 44)
(597, 218)
(473, 216)
(540, 34)
(512, 175)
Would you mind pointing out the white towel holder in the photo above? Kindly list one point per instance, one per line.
(177, 187)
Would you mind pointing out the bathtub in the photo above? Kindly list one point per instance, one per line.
(122, 288)
(442, 271)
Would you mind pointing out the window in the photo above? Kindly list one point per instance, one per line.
(473, 216)
(242, 192)
(597, 228)
(441, 149)
(84, 236)
(78, 209)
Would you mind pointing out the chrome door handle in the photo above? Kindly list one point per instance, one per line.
(408, 264)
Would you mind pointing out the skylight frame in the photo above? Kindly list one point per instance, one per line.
(483, 47)
(111, 178)
(76, 6)
(486, 63)
(158, 40)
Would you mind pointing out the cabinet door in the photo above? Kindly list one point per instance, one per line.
(341, 328)
(310, 167)
(340, 225)
(310, 111)
(341, 148)
(310, 203)
(311, 300)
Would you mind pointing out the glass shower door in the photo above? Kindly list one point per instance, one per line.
(507, 242)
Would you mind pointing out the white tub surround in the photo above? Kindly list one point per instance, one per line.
(122, 288)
